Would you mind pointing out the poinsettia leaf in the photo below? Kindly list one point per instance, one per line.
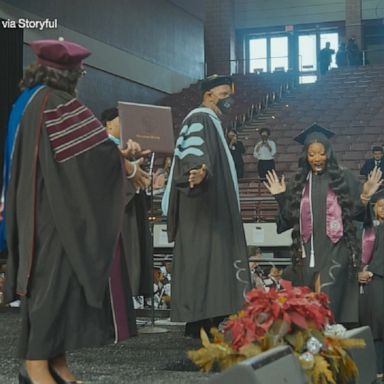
(298, 319)
(250, 350)
(204, 338)
(321, 371)
(352, 343)
(286, 284)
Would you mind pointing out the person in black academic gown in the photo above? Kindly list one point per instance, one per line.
(210, 265)
(320, 206)
(63, 217)
(371, 278)
(136, 236)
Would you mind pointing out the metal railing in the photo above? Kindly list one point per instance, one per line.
(241, 66)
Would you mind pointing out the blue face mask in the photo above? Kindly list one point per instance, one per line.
(114, 139)
(225, 104)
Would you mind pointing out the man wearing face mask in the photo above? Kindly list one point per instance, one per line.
(210, 266)
(264, 152)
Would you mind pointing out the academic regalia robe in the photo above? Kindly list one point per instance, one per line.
(332, 260)
(64, 211)
(372, 295)
(137, 241)
(210, 271)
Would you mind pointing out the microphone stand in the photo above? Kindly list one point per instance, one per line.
(152, 328)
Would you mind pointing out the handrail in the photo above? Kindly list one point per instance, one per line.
(244, 62)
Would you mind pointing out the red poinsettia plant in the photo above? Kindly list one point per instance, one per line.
(295, 306)
(293, 316)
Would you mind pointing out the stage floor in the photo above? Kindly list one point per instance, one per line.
(148, 358)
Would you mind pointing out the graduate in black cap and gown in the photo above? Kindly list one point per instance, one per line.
(63, 218)
(210, 265)
(371, 276)
(320, 205)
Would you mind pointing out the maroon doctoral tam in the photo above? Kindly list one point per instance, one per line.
(59, 54)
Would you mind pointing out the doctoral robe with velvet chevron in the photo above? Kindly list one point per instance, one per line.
(64, 213)
(210, 267)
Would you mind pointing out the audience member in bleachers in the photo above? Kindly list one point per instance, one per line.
(264, 152)
(64, 198)
(136, 236)
(166, 268)
(320, 207)
(325, 58)
(265, 277)
(371, 277)
(341, 56)
(376, 161)
(237, 151)
(161, 294)
(202, 207)
(354, 55)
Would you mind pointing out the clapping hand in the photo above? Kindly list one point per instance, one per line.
(273, 184)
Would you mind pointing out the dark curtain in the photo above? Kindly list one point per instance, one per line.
(11, 64)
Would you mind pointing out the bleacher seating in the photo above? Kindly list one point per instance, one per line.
(348, 101)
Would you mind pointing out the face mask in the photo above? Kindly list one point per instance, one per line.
(225, 104)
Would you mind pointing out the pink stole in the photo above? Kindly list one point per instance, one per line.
(334, 221)
(368, 244)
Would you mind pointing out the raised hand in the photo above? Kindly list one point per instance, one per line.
(273, 184)
(372, 184)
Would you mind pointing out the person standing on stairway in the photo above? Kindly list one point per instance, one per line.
(264, 152)
(237, 150)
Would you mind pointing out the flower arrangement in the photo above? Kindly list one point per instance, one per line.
(295, 316)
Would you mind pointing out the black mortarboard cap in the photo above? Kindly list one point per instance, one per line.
(379, 195)
(314, 132)
(214, 81)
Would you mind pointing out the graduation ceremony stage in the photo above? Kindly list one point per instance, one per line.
(147, 358)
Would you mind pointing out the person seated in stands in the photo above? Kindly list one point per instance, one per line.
(237, 150)
(341, 56)
(160, 177)
(162, 300)
(264, 152)
(256, 272)
(260, 278)
(325, 58)
(375, 161)
(371, 277)
(166, 268)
